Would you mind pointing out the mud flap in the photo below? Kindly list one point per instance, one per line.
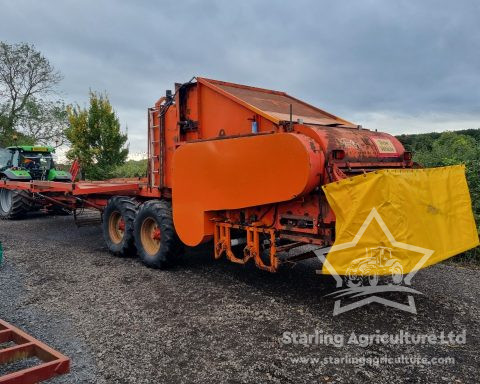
(399, 219)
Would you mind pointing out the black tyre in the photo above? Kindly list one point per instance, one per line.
(155, 238)
(117, 225)
(14, 204)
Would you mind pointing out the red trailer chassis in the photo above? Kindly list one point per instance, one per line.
(81, 194)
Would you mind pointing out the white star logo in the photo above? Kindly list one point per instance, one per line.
(362, 291)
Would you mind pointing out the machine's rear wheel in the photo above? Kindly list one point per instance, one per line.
(155, 238)
(14, 204)
(117, 225)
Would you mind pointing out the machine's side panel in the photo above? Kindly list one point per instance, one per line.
(236, 173)
(172, 134)
(188, 102)
(222, 116)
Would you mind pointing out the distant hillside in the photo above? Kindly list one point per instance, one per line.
(424, 141)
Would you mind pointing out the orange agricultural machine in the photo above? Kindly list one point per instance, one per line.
(248, 163)
(241, 165)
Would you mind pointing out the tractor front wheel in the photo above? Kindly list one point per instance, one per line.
(14, 204)
(155, 238)
(117, 225)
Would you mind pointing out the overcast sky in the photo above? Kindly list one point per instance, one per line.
(397, 66)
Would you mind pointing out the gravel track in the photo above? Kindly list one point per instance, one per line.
(213, 321)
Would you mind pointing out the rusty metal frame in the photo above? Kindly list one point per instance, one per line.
(54, 363)
(253, 246)
(222, 245)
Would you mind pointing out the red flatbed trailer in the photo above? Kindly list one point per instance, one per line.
(73, 196)
(77, 188)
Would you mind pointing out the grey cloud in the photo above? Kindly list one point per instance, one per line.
(354, 58)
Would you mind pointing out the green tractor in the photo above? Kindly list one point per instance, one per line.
(25, 163)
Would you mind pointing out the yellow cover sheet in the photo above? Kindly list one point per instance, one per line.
(415, 217)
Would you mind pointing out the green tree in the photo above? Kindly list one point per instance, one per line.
(96, 139)
(452, 148)
(44, 122)
(27, 79)
(132, 168)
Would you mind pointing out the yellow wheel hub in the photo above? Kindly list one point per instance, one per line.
(116, 227)
(150, 236)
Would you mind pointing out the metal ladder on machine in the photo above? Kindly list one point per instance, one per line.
(152, 144)
(151, 148)
(19, 348)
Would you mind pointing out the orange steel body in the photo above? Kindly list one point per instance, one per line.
(242, 162)
(256, 158)
(219, 175)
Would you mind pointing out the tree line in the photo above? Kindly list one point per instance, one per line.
(31, 112)
(451, 148)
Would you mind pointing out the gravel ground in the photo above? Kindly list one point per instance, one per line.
(214, 321)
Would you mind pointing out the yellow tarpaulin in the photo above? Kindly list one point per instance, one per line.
(400, 219)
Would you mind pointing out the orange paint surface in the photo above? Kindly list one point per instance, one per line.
(236, 173)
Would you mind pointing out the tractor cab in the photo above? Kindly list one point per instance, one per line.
(27, 162)
(5, 157)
